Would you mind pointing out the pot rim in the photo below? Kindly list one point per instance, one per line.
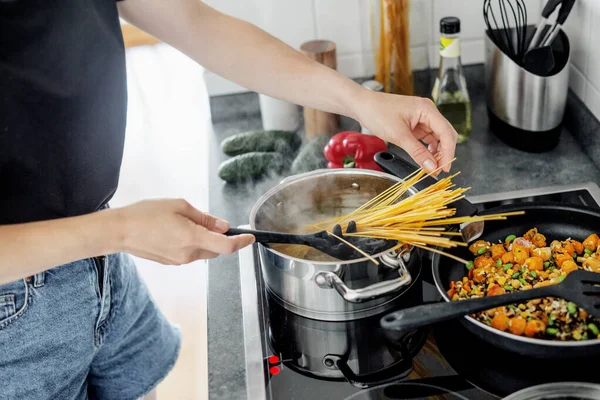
(324, 171)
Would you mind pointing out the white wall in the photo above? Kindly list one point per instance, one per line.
(347, 23)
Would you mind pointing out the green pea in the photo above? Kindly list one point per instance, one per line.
(560, 278)
(546, 264)
(470, 265)
(508, 287)
(510, 238)
(550, 321)
(551, 331)
(507, 266)
(588, 251)
(594, 328)
(572, 308)
(482, 250)
(523, 281)
(516, 275)
(499, 263)
(512, 307)
(534, 274)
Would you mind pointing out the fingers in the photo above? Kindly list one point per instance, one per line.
(443, 130)
(420, 154)
(201, 218)
(220, 244)
(432, 143)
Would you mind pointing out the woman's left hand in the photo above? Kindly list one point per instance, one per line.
(406, 121)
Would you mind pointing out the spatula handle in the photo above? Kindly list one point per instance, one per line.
(428, 314)
(268, 237)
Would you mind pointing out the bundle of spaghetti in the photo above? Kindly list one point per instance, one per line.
(420, 219)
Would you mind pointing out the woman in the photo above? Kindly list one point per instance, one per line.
(75, 318)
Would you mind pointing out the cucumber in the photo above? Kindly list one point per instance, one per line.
(261, 141)
(252, 165)
(311, 156)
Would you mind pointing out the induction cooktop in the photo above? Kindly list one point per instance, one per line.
(291, 357)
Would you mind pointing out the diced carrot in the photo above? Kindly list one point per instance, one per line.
(500, 321)
(483, 262)
(534, 263)
(497, 251)
(578, 246)
(508, 258)
(451, 292)
(478, 275)
(591, 242)
(517, 325)
(534, 327)
(583, 314)
(539, 240)
(521, 253)
(467, 287)
(568, 248)
(495, 290)
(569, 266)
(530, 234)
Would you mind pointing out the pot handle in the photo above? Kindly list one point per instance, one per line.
(398, 166)
(328, 279)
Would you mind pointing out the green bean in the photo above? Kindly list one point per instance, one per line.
(551, 331)
(550, 321)
(507, 266)
(572, 308)
(523, 281)
(594, 328)
(560, 278)
(499, 263)
(588, 251)
(534, 274)
(546, 264)
(470, 265)
(510, 238)
(516, 275)
(482, 250)
(508, 287)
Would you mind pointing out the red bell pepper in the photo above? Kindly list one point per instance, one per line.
(353, 150)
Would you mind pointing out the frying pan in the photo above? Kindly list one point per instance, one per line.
(554, 220)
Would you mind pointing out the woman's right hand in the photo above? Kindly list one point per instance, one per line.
(173, 232)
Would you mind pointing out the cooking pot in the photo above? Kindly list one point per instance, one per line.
(316, 285)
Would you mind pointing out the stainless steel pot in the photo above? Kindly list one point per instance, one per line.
(326, 288)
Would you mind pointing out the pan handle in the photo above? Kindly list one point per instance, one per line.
(328, 279)
(396, 165)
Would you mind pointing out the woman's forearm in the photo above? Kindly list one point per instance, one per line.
(244, 54)
(27, 249)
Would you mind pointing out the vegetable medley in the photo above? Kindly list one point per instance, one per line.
(521, 263)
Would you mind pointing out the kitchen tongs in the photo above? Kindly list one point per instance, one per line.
(396, 165)
(324, 242)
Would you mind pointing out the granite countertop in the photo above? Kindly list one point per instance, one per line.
(486, 164)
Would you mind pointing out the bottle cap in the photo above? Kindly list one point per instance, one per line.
(450, 25)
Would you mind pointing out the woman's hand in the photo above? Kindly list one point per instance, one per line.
(405, 121)
(174, 232)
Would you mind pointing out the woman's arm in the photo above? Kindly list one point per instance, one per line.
(245, 54)
(167, 231)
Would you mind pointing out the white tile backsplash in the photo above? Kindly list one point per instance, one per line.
(349, 23)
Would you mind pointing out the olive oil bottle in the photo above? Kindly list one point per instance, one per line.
(450, 93)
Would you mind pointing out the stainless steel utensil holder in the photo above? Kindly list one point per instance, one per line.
(526, 110)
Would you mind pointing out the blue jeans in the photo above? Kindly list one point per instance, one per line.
(88, 329)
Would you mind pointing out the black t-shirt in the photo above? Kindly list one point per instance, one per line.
(63, 101)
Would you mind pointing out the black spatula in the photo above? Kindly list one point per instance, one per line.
(323, 241)
(580, 287)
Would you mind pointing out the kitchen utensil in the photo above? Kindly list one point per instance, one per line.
(549, 8)
(563, 13)
(580, 287)
(555, 220)
(508, 33)
(525, 109)
(323, 241)
(558, 390)
(325, 288)
(539, 60)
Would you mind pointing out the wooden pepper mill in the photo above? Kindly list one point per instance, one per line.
(318, 122)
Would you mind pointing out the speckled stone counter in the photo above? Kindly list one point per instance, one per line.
(486, 164)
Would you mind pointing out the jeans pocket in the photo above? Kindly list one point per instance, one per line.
(14, 299)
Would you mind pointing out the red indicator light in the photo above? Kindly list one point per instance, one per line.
(273, 359)
(274, 370)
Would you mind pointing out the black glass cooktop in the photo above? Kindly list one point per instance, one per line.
(295, 358)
